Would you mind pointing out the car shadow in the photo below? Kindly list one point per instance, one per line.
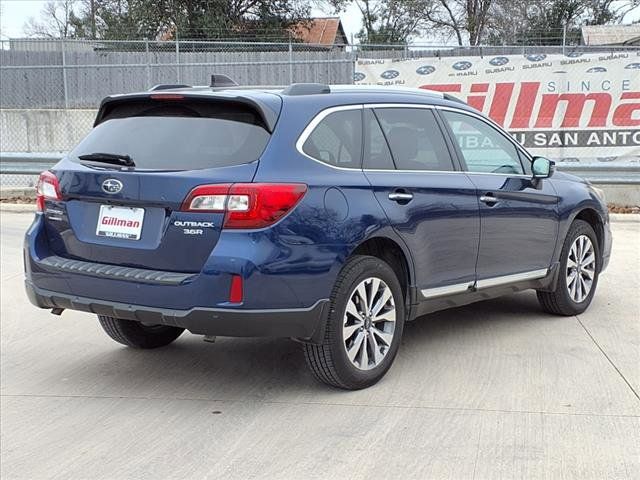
(256, 369)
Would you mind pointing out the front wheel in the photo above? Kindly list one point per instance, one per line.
(364, 326)
(579, 269)
(135, 334)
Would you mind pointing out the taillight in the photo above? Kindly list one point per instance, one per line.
(246, 205)
(47, 188)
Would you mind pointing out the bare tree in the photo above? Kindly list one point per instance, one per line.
(389, 21)
(57, 20)
(462, 17)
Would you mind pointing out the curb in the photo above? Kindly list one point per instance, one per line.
(17, 208)
(624, 217)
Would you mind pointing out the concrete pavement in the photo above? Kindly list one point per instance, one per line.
(493, 390)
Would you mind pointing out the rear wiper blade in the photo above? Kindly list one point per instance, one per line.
(112, 158)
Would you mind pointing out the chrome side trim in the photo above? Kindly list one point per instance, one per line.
(428, 293)
(446, 290)
(517, 277)
(321, 116)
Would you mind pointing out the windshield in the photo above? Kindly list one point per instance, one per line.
(179, 138)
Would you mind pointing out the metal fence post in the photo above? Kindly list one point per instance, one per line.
(290, 61)
(177, 58)
(64, 74)
(146, 49)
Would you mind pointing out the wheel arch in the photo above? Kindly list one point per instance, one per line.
(393, 253)
(593, 218)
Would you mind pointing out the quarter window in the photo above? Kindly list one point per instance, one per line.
(483, 148)
(337, 140)
(415, 139)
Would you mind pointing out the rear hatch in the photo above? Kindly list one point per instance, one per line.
(123, 186)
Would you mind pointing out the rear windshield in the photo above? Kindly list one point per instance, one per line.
(179, 135)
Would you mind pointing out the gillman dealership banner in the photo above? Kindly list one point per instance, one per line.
(573, 108)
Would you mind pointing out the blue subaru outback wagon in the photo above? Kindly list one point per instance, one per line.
(330, 215)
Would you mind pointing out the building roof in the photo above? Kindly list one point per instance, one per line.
(326, 31)
(611, 34)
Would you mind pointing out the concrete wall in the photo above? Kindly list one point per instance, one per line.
(37, 130)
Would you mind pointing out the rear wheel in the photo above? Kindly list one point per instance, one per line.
(364, 326)
(136, 335)
(579, 266)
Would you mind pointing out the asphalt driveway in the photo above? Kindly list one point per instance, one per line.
(493, 390)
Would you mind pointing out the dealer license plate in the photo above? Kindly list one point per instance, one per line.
(120, 222)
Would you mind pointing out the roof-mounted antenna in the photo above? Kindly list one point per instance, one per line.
(218, 80)
(306, 89)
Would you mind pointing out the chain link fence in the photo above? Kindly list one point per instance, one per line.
(50, 88)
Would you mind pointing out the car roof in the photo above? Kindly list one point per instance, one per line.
(268, 100)
(364, 93)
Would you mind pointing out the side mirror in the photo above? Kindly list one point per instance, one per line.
(542, 167)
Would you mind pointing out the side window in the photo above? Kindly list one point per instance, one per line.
(337, 139)
(484, 149)
(415, 139)
(376, 151)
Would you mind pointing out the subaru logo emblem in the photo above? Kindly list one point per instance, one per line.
(389, 74)
(111, 185)
(499, 61)
(536, 57)
(462, 65)
(425, 70)
(359, 76)
(597, 70)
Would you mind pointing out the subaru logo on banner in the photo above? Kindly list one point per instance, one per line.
(111, 185)
(633, 66)
(462, 65)
(597, 70)
(425, 70)
(536, 57)
(389, 74)
(359, 76)
(574, 54)
(499, 61)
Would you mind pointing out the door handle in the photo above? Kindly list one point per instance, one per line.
(489, 199)
(401, 197)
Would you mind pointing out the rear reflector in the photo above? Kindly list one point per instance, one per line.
(47, 188)
(235, 293)
(246, 205)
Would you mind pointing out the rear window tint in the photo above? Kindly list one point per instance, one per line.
(415, 139)
(337, 140)
(180, 136)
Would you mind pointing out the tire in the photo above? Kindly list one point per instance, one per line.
(562, 301)
(329, 361)
(135, 334)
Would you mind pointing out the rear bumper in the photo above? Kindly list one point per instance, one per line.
(302, 323)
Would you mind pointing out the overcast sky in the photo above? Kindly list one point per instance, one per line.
(14, 13)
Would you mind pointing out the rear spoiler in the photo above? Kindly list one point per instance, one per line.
(268, 115)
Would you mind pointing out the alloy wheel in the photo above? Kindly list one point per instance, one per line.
(369, 323)
(581, 268)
